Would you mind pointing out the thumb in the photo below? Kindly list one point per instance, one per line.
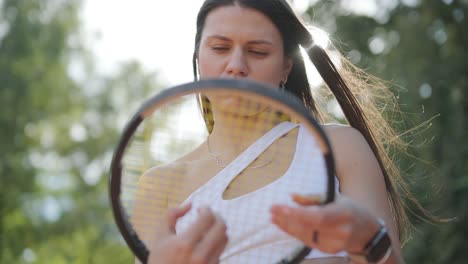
(306, 200)
(173, 214)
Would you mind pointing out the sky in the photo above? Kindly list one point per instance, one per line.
(159, 34)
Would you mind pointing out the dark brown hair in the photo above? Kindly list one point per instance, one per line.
(357, 93)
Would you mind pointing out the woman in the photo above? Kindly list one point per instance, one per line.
(260, 40)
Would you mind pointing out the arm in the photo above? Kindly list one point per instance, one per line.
(361, 180)
(155, 224)
(150, 205)
(351, 221)
(150, 202)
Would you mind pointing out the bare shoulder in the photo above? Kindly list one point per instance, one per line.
(343, 137)
(337, 131)
(177, 167)
(161, 185)
(164, 172)
(350, 148)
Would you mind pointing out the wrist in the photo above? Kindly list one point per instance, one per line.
(377, 250)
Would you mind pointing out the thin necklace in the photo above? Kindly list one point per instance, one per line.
(223, 163)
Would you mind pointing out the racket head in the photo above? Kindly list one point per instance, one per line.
(284, 102)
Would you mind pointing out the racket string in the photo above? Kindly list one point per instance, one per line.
(223, 164)
(165, 162)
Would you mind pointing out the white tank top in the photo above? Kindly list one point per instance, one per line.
(262, 241)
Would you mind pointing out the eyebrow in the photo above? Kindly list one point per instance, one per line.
(259, 41)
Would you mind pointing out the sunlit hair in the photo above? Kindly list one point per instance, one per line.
(361, 97)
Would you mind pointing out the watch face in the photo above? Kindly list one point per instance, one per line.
(379, 246)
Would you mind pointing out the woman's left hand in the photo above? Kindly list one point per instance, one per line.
(338, 226)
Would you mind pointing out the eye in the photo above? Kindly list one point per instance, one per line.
(260, 53)
(219, 48)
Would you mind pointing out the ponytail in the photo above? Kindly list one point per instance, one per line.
(357, 118)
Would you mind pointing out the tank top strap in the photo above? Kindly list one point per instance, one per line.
(253, 151)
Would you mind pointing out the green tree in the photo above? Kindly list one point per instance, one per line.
(421, 47)
(59, 123)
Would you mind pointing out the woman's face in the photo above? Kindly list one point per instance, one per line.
(240, 42)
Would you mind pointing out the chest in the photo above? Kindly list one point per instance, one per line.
(268, 167)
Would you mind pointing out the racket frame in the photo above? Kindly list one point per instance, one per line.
(286, 100)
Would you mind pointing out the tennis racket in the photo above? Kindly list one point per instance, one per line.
(237, 146)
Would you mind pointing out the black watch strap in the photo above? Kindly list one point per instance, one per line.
(378, 249)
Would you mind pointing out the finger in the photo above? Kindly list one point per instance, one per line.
(219, 251)
(199, 228)
(173, 214)
(213, 243)
(306, 200)
(298, 222)
(311, 215)
(217, 255)
(326, 228)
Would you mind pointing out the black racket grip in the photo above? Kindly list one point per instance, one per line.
(296, 257)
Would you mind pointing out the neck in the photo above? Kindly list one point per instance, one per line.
(233, 133)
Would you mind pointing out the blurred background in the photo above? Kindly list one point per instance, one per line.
(72, 72)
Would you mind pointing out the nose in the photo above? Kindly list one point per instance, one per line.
(237, 64)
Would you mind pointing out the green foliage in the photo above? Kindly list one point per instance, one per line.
(422, 49)
(58, 130)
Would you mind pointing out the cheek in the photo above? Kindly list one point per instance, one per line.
(209, 67)
(270, 72)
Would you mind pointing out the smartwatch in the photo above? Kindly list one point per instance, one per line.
(377, 250)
